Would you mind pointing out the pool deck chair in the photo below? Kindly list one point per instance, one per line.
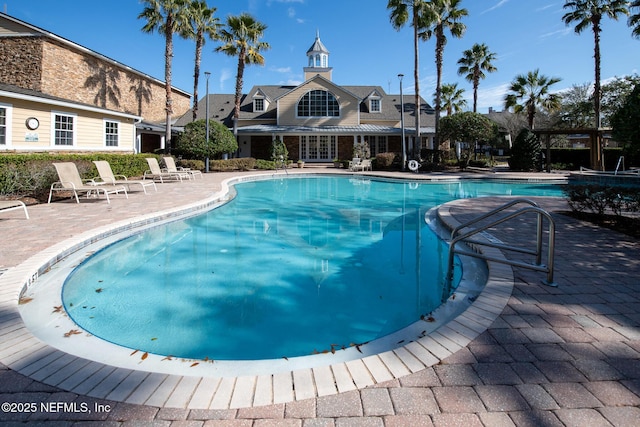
(70, 181)
(9, 205)
(364, 165)
(108, 178)
(155, 173)
(171, 167)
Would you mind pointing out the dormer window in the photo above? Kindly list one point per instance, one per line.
(258, 104)
(374, 105)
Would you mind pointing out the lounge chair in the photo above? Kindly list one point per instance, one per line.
(171, 167)
(9, 205)
(362, 166)
(70, 181)
(353, 164)
(108, 178)
(155, 172)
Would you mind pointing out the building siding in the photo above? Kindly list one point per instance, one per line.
(89, 128)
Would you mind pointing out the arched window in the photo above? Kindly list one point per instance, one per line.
(318, 103)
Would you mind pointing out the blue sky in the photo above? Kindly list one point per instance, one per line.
(364, 47)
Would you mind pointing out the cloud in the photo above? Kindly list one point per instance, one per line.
(497, 5)
(491, 96)
(283, 70)
(225, 74)
(561, 32)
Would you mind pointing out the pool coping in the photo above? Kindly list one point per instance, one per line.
(26, 354)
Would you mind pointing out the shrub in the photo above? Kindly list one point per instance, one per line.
(191, 164)
(32, 174)
(525, 153)
(243, 164)
(192, 142)
(384, 160)
(600, 198)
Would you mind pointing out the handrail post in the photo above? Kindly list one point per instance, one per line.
(539, 239)
(550, 254)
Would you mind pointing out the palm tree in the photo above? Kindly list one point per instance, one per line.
(241, 38)
(203, 24)
(442, 15)
(532, 90)
(589, 13)
(400, 10)
(452, 98)
(168, 17)
(473, 64)
(634, 20)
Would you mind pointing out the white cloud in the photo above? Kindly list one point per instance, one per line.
(225, 74)
(490, 97)
(497, 5)
(283, 70)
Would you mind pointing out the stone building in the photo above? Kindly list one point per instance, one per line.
(40, 65)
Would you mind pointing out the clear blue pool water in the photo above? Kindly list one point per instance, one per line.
(290, 267)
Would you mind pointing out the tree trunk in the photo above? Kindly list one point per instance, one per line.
(168, 56)
(196, 72)
(596, 87)
(439, 54)
(416, 75)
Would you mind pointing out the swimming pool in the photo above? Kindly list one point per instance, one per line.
(279, 269)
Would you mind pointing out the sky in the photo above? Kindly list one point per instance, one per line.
(364, 47)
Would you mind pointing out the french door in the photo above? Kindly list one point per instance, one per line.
(319, 148)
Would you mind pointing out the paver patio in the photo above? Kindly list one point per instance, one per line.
(555, 356)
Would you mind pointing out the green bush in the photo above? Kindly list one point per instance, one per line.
(191, 164)
(242, 164)
(32, 174)
(192, 142)
(525, 153)
(600, 198)
(384, 160)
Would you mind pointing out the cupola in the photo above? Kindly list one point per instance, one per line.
(318, 60)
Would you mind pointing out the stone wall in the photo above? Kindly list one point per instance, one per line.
(21, 59)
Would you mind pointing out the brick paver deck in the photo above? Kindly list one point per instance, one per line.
(554, 356)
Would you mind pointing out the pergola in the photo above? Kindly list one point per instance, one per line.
(596, 147)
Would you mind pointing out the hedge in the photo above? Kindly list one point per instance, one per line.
(32, 174)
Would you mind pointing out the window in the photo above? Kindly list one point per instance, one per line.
(111, 135)
(374, 105)
(318, 103)
(258, 104)
(377, 144)
(63, 129)
(3, 125)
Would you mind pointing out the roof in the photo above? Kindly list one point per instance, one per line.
(318, 46)
(221, 105)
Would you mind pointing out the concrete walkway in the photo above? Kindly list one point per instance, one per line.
(555, 356)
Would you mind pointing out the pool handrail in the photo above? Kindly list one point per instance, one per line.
(538, 266)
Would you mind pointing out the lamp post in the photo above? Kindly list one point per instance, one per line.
(404, 150)
(206, 165)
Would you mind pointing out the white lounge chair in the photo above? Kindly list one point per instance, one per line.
(362, 165)
(155, 172)
(9, 205)
(108, 178)
(353, 164)
(171, 167)
(71, 181)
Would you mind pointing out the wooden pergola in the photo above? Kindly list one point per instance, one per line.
(596, 147)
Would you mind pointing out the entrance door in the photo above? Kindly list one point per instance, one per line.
(318, 148)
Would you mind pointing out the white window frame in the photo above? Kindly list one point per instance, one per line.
(256, 108)
(8, 124)
(74, 131)
(106, 122)
(371, 105)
